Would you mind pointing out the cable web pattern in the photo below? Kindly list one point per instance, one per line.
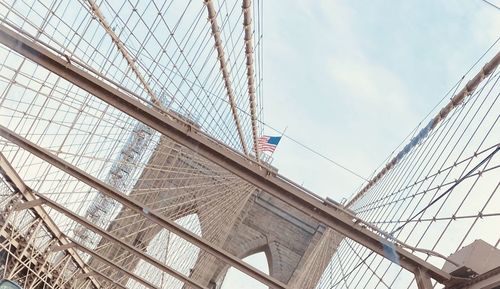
(165, 177)
(442, 195)
(167, 58)
(164, 55)
(125, 221)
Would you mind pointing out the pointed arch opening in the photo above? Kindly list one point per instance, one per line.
(237, 279)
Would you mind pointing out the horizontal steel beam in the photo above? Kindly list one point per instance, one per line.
(11, 176)
(101, 275)
(107, 235)
(115, 266)
(35, 201)
(194, 139)
(140, 208)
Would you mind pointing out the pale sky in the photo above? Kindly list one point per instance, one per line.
(351, 79)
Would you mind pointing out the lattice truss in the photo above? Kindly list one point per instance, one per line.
(438, 197)
(200, 62)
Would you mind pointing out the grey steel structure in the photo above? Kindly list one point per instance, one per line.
(166, 180)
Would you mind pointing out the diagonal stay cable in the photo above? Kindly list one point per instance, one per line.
(490, 156)
(449, 190)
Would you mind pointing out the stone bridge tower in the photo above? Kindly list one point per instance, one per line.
(231, 214)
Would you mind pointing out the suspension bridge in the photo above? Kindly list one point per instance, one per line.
(130, 159)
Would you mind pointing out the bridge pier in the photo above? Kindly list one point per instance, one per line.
(236, 217)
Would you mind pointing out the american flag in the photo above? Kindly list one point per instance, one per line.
(268, 143)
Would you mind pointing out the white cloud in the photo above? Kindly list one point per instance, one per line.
(371, 85)
(351, 80)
